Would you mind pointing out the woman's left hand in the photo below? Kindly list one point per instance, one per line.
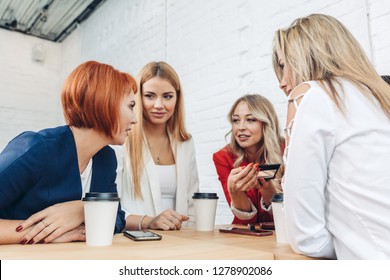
(168, 220)
(52, 222)
(265, 185)
(267, 190)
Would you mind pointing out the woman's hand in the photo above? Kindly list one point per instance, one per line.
(267, 190)
(240, 180)
(76, 234)
(167, 220)
(52, 222)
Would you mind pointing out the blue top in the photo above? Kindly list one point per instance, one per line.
(40, 169)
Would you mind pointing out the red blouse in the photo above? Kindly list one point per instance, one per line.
(223, 161)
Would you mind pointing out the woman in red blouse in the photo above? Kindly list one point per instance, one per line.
(255, 139)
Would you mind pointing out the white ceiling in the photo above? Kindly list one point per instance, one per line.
(48, 19)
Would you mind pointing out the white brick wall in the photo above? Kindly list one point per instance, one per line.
(28, 89)
(379, 25)
(221, 50)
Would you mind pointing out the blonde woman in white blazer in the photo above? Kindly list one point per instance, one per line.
(157, 171)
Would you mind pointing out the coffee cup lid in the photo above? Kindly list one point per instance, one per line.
(277, 197)
(199, 195)
(101, 196)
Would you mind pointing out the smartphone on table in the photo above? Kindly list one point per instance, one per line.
(267, 171)
(245, 231)
(141, 235)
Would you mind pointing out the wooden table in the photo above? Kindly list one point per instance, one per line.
(184, 244)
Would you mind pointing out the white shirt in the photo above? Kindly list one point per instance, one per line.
(167, 178)
(337, 180)
(86, 178)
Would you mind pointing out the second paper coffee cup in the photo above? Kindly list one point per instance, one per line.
(100, 210)
(278, 213)
(205, 209)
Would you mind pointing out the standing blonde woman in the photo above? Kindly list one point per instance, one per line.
(254, 140)
(159, 173)
(336, 185)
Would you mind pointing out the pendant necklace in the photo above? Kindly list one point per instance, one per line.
(162, 148)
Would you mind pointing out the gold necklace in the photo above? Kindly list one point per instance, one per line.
(162, 148)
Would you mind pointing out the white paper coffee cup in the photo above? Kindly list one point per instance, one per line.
(100, 210)
(278, 212)
(205, 209)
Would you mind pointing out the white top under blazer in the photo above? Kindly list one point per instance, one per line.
(187, 182)
(337, 179)
(167, 177)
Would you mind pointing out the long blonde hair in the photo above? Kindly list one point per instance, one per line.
(135, 142)
(319, 47)
(269, 149)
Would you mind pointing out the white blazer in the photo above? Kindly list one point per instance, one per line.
(187, 182)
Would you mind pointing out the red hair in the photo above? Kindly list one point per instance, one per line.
(92, 94)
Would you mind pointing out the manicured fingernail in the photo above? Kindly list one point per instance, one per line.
(260, 182)
(19, 228)
(31, 242)
(24, 240)
(41, 242)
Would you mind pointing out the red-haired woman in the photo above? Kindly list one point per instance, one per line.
(44, 175)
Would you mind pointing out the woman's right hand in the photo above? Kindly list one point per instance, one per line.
(167, 220)
(76, 234)
(240, 180)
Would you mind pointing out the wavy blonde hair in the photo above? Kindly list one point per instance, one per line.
(319, 47)
(136, 141)
(269, 148)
